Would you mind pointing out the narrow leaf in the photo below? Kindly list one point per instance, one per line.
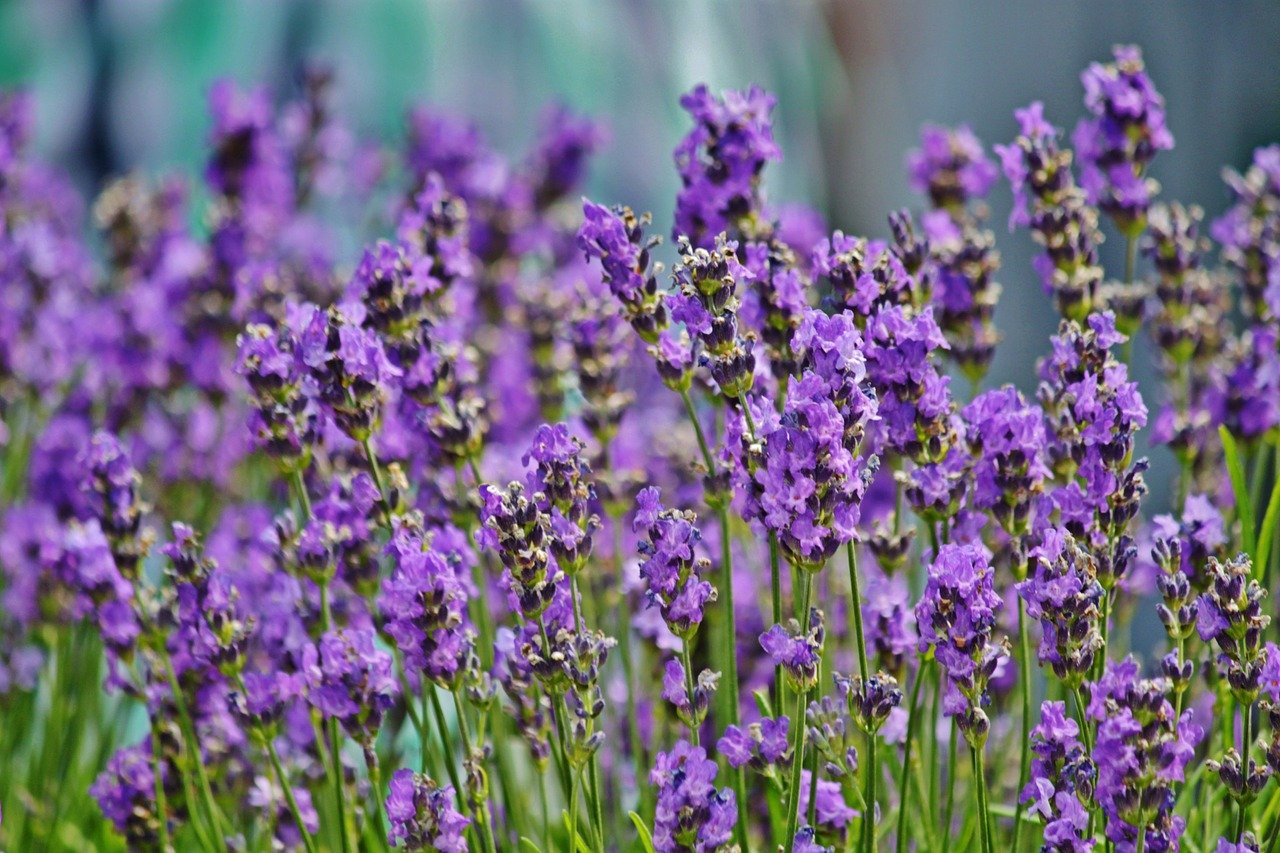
(646, 839)
(1244, 507)
(1266, 536)
(526, 844)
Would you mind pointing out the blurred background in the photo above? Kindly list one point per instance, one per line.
(121, 85)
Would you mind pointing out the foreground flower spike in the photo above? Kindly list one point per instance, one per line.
(720, 162)
(951, 167)
(1250, 232)
(1141, 751)
(284, 421)
(1231, 616)
(915, 404)
(615, 238)
(1046, 198)
(423, 816)
(1062, 780)
(1007, 437)
(1062, 591)
(350, 367)
(1188, 324)
(112, 484)
(957, 618)
(707, 303)
(424, 603)
(964, 262)
(1253, 383)
(350, 679)
(126, 792)
(796, 650)
(762, 746)
(672, 570)
(692, 814)
(1117, 143)
(1093, 412)
(561, 482)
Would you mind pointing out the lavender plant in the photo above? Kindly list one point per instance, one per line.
(496, 536)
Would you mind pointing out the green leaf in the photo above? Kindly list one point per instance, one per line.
(576, 837)
(1244, 506)
(526, 844)
(1270, 519)
(645, 837)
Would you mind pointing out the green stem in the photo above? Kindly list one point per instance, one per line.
(797, 738)
(858, 636)
(913, 718)
(290, 798)
(470, 748)
(220, 826)
(379, 798)
(442, 728)
(984, 818)
(1246, 731)
(1024, 764)
(869, 818)
(573, 813)
(952, 773)
(687, 660)
(775, 585)
(162, 804)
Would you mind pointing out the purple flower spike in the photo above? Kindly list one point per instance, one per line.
(423, 815)
(691, 814)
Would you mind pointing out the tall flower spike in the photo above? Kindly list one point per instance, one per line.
(350, 367)
(561, 483)
(1046, 198)
(950, 166)
(707, 303)
(797, 652)
(1118, 141)
(691, 814)
(671, 568)
(1231, 616)
(351, 680)
(424, 603)
(284, 420)
(956, 616)
(113, 485)
(720, 162)
(422, 814)
(1141, 751)
(1062, 780)
(1007, 437)
(1250, 233)
(1063, 593)
(615, 238)
(515, 527)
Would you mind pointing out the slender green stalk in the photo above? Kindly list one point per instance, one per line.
(220, 825)
(1246, 726)
(162, 804)
(775, 586)
(1024, 679)
(470, 747)
(379, 796)
(952, 774)
(913, 719)
(442, 729)
(283, 780)
(858, 636)
(797, 740)
(869, 819)
(984, 817)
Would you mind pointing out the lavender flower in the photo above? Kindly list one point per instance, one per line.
(706, 302)
(1046, 198)
(1253, 383)
(1062, 780)
(720, 162)
(424, 603)
(1231, 616)
(763, 746)
(691, 813)
(349, 366)
(691, 709)
(1118, 142)
(350, 680)
(963, 261)
(515, 527)
(561, 483)
(672, 569)
(126, 792)
(797, 651)
(915, 400)
(950, 166)
(957, 617)
(865, 275)
(113, 485)
(284, 421)
(1062, 591)
(1141, 752)
(423, 815)
(1250, 233)
(615, 237)
(1007, 437)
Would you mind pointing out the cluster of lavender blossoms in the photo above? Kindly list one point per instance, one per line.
(497, 534)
